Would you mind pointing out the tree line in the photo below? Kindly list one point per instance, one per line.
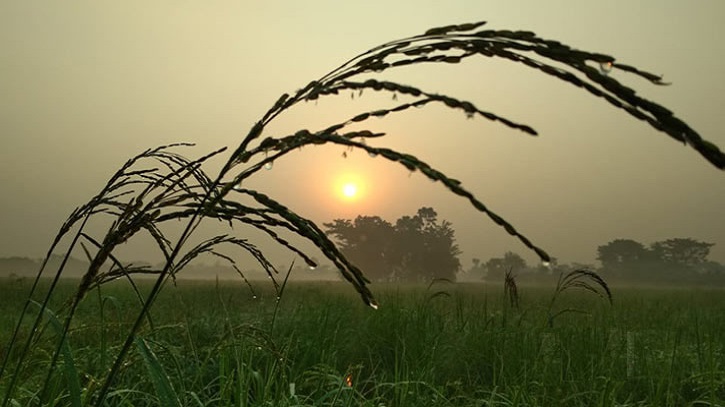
(422, 248)
(675, 259)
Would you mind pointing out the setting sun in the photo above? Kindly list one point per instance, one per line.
(349, 190)
(350, 187)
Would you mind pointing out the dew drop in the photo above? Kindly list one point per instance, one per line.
(605, 67)
(372, 154)
(312, 267)
(268, 166)
(254, 297)
(546, 264)
(373, 305)
(278, 298)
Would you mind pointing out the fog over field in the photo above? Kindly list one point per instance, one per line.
(85, 85)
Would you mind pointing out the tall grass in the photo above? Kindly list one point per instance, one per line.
(212, 346)
(160, 186)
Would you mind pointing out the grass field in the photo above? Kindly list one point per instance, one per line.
(213, 344)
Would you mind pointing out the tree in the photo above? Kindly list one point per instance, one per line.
(682, 252)
(477, 270)
(497, 267)
(623, 255)
(417, 248)
(367, 243)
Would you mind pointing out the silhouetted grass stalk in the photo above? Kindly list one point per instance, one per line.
(580, 279)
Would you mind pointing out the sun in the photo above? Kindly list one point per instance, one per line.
(349, 190)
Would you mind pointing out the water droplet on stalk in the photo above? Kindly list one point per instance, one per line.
(372, 154)
(312, 267)
(605, 67)
(373, 305)
(546, 264)
(268, 166)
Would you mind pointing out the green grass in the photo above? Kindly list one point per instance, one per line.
(212, 344)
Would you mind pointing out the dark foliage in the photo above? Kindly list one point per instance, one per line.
(498, 268)
(416, 248)
(667, 259)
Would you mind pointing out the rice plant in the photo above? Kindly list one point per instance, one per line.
(160, 186)
(577, 279)
(510, 289)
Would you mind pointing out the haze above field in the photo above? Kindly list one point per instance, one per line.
(85, 85)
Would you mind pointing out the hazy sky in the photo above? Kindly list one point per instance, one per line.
(84, 85)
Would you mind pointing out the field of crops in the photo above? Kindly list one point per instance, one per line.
(215, 344)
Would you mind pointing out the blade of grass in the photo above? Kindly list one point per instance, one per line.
(164, 389)
(69, 367)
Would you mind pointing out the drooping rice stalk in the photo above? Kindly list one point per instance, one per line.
(160, 186)
(510, 289)
(577, 279)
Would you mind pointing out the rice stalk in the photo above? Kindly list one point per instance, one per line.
(580, 279)
(510, 290)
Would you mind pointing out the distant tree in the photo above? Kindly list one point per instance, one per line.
(497, 267)
(424, 248)
(477, 270)
(666, 259)
(417, 248)
(624, 256)
(682, 252)
(367, 242)
(21, 266)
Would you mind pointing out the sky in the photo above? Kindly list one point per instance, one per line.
(85, 85)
